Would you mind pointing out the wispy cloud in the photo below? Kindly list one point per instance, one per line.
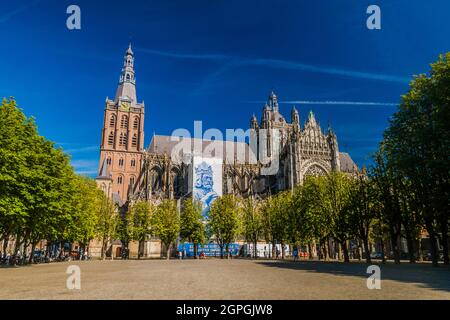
(213, 57)
(85, 166)
(82, 149)
(333, 102)
(352, 103)
(235, 61)
(86, 172)
(82, 164)
(6, 16)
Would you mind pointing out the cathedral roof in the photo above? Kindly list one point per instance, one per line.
(347, 164)
(240, 151)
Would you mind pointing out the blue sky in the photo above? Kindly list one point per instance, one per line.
(216, 61)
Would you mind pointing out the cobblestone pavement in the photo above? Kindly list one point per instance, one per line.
(223, 279)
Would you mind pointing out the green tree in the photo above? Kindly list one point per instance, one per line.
(224, 221)
(336, 198)
(140, 221)
(166, 223)
(16, 134)
(252, 226)
(107, 223)
(318, 219)
(415, 149)
(301, 219)
(362, 210)
(86, 203)
(192, 228)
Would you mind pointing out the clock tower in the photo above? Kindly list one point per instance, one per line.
(122, 142)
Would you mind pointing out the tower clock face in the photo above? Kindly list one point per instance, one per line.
(125, 106)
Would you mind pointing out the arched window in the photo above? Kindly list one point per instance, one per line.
(133, 163)
(134, 140)
(136, 123)
(132, 181)
(121, 162)
(119, 179)
(112, 121)
(123, 139)
(128, 77)
(124, 122)
(111, 138)
(108, 160)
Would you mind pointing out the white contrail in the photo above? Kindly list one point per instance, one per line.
(6, 16)
(236, 61)
(353, 103)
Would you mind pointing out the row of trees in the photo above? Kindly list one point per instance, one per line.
(403, 195)
(41, 198)
(412, 166)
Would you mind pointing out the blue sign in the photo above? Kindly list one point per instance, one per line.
(210, 249)
(204, 189)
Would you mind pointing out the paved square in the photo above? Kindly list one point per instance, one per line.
(223, 279)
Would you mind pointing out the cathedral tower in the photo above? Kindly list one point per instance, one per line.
(122, 142)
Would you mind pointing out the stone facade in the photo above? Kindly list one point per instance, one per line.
(130, 173)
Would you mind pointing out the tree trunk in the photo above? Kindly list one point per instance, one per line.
(273, 249)
(340, 250)
(5, 245)
(433, 242)
(33, 246)
(330, 249)
(283, 250)
(103, 255)
(169, 246)
(383, 253)
(310, 252)
(195, 250)
(410, 245)
(255, 251)
(17, 245)
(325, 250)
(434, 249)
(395, 248)
(419, 249)
(366, 249)
(226, 251)
(319, 252)
(345, 249)
(445, 249)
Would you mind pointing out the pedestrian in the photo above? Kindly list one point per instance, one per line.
(180, 254)
(295, 255)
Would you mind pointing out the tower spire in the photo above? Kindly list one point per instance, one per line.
(273, 101)
(126, 90)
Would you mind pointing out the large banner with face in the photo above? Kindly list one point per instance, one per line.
(207, 181)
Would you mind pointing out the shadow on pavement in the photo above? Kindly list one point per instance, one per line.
(422, 274)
